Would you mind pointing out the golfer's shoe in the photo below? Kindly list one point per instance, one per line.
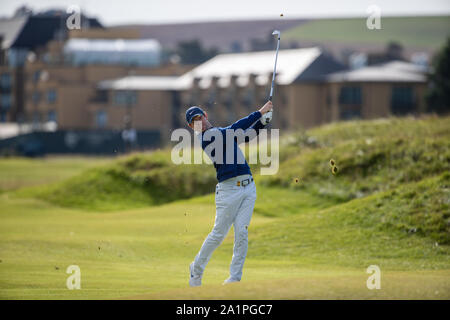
(194, 281)
(230, 280)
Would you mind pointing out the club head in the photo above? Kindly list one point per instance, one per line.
(276, 32)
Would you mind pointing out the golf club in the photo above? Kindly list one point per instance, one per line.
(278, 33)
(268, 116)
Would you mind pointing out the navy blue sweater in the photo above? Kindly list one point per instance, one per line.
(224, 169)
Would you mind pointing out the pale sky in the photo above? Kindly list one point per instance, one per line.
(113, 12)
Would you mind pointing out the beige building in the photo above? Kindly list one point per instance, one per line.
(311, 89)
(66, 94)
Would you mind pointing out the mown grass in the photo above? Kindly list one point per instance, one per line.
(134, 225)
(145, 253)
(18, 172)
(370, 156)
(390, 228)
(130, 182)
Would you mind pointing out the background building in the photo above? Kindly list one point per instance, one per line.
(135, 82)
(311, 88)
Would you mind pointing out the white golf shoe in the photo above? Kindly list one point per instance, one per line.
(230, 280)
(194, 281)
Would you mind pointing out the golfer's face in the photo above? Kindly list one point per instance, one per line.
(198, 122)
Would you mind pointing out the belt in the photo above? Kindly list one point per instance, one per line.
(244, 182)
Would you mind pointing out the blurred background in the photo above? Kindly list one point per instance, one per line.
(101, 77)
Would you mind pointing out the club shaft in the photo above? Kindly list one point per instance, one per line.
(274, 70)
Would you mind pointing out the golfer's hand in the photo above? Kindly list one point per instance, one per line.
(266, 108)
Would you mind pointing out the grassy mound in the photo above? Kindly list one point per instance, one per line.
(388, 227)
(133, 181)
(371, 156)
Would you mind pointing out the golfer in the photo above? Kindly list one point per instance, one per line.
(235, 192)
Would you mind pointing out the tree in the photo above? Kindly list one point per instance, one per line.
(438, 94)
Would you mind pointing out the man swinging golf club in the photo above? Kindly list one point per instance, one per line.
(235, 192)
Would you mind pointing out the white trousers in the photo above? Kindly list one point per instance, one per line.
(234, 205)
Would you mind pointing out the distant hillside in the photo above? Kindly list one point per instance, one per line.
(418, 32)
(415, 33)
(222, 35)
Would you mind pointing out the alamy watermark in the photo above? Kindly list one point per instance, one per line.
(74, 280)
(74, 20)
(374, 281)
(373, 22)
(220, 147)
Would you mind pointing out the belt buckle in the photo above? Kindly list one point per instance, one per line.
(245, 184)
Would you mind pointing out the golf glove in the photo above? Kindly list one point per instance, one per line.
(266, 118)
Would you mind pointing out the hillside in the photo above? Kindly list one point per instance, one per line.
(418, 32)
(425, 33)
(130, 182)
(371, 156)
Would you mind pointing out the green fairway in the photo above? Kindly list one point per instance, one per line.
(409, 31)
(21, 172)
(145, 253)
(312, 239)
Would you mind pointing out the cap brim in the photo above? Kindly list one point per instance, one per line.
(194, 115)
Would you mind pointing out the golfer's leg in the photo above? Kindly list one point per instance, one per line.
(241, 225)
(226, 207)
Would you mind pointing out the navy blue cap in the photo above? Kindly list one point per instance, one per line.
(192, 112)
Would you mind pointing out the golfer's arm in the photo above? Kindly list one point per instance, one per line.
(246, 122)
(257, 126)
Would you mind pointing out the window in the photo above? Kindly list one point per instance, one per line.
(350, 101)
(402, 100)
(349, 112)
(101, 119)
(36, 76)
(5, 101)
(211, 99)
(101, 96)
(123, 98)
(3, 116)
(51, 116)
(228, 102)
(36, 117)
(350, 95)
(36, 97)
(248, 97)
(5, 81)
(229, 98)
(51, 96)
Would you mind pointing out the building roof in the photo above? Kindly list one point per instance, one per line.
(394, 71)
(405, 66)
(112, 45)
(138, 52)
(20, 32)
(142, 83)
(10, 30)
(291, 64)
(297, 65)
